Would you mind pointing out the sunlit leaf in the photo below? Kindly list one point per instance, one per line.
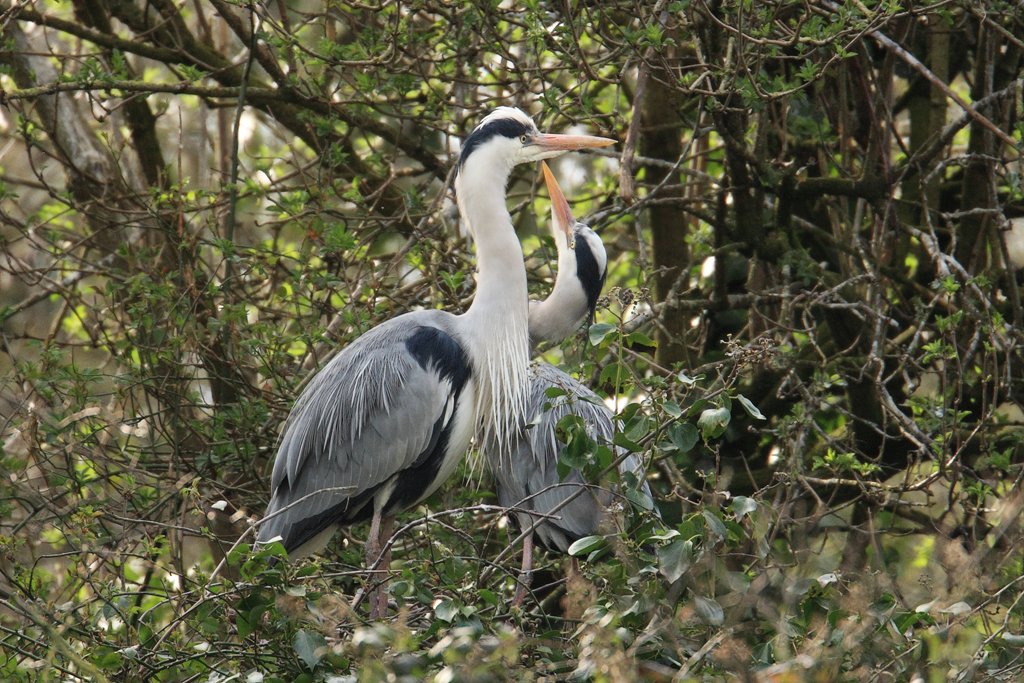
(743, 506)
(751, 409)
(713, 421)
(586, 545)
(445, 610)
(598, 332)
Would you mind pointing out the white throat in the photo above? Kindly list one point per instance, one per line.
(564, 310)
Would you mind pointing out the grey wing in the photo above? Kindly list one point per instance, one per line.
(374, 419)
(529, 480)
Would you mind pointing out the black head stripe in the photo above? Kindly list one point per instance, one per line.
(589, 274)
(507, 127)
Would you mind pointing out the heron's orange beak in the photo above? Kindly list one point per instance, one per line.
(568, 143)
(560, 212)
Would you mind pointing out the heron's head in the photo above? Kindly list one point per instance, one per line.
(507, 137)
(580, 249)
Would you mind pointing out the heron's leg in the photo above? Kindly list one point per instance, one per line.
(373, 545)
(526, 573)
(379, 601)
(373, 540)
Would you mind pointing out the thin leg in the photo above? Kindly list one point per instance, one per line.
(379, 602)
(373, 540)
(526, 573)
(372, 550)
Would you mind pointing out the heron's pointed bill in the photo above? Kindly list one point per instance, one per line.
(560, 211)
(568, 143)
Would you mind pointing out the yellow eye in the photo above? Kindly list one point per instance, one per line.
(524, 139)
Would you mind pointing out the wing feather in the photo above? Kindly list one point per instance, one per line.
(376, 410)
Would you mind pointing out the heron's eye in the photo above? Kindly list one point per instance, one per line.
(524, 139)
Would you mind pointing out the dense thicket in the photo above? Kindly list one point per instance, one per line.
(811, 334)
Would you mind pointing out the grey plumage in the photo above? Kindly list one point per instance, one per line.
(365, 425)
(529, 481)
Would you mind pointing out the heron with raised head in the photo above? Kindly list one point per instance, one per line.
(557, 510)
(387, 420)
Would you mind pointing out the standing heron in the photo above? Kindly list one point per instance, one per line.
(559, 511)
(388, 419)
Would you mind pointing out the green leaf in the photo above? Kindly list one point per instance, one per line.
(709, 611)
(310, 646)
(639, 499)
(684, 436)
(675, 559)
(713, 421)
(715, 525)
(489, 596)
(445, 610)
(687, 380)
(623, 441)
(743, 506)
(598, 331)
(640, 339)
(586, 545)
(751, 409)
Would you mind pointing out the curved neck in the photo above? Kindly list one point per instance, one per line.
(565, 308)
(501, 275)
(496, 323)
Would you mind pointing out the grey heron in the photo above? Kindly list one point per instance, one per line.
(526, 477)
(387, 420)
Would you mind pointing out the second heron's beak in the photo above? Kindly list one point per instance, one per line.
(560, 212)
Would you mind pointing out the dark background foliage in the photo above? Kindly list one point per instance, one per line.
(811, 332)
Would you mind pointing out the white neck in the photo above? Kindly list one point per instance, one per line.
(565, 308)
(496, 323)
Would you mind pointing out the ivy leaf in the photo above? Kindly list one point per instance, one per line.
(687, 380)
(743, 506)
(672, 408)
(445, 610)
(639, 499)
(956, 609)
(751, 409)
(598, 331)
(684, 436)
(709, 611)
(715, 525)
(310, 647)
(586, 545)
(640, 339)
(713, 421)
(675, 559)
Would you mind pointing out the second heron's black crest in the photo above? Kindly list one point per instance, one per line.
(589, 273)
